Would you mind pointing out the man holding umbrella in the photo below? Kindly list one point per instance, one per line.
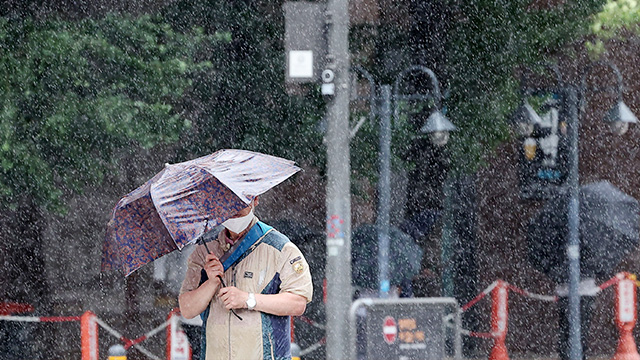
(268, 277)
(268, 282)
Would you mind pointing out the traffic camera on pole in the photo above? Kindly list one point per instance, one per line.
(328, 87)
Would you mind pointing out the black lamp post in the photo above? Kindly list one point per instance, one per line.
(573, 99)
(437, 127)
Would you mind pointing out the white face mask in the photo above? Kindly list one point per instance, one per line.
(239, 224)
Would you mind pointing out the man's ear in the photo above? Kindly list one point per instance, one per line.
(255, 201)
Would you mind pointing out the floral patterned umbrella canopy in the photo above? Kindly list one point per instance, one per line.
(185, 200)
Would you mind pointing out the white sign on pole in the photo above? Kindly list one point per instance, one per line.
(300, 64)
(305, 41)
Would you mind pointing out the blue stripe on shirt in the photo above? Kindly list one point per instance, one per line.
(278, 326)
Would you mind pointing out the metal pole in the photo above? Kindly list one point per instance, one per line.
(338, 263)
(573, 246)
(384, 189)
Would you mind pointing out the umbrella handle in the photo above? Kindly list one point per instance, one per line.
(205, 246)
(223, 285)
(206, 222)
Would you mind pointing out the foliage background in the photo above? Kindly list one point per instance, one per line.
(77, 94)
(78, 91)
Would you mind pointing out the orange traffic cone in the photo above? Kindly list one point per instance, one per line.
(626, 317)
(499, 317)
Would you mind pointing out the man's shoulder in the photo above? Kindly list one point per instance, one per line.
(275, 239)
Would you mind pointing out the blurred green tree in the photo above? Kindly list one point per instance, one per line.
(619, 20)
(475, 48)
(488, 41)
(75, 94)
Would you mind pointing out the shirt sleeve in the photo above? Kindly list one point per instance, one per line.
(195, 263)
(294, 272)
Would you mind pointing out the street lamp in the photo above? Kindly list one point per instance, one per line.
(573, 99)
(619, 116)
(437, 127)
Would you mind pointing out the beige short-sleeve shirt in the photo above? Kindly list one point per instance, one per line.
(276, 265)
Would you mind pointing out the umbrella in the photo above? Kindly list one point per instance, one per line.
(421, 224)
(184, 201)
(609, 231)
(405, 257)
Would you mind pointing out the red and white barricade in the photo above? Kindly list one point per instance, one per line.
(626, 317)
(89, 336)
(625, 314)
(499, 318)
(178, 347)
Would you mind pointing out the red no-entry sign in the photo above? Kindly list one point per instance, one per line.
(389, 330)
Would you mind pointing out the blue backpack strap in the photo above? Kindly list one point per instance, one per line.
(264, 227)
(255, 233)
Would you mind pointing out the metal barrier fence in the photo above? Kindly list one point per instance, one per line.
(404, 328)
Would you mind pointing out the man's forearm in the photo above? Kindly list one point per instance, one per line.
(283, 304)
(194, 302)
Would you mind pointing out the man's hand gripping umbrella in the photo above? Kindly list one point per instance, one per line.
(214, 269)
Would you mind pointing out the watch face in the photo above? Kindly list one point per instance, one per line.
(251, 302)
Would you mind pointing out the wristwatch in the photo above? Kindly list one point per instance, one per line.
(251, 301)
